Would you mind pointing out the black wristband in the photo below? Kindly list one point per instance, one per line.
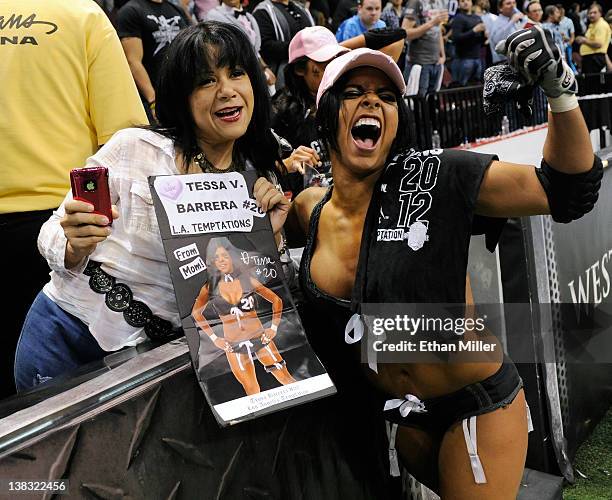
(378, 38)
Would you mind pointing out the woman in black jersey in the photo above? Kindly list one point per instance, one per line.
(395, 228)
(230, 295)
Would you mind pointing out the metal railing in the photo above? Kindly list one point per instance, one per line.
(595, 95)
(594, 83)
(458, 116)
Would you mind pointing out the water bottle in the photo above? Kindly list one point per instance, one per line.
(435, 140)
(505, 126)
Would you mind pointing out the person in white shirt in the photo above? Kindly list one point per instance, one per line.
(568, 32)
(508, 21)
(110, 285)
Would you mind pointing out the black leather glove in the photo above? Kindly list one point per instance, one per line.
(535, 56)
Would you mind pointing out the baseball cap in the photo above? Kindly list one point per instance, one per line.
(359, 58)
(316, 43)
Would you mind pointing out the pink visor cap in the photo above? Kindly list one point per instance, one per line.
(316, 43)
(359, 58)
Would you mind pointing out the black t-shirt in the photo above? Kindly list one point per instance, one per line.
(274, 51)
(466, 41)
(156, 24)
(417, 231)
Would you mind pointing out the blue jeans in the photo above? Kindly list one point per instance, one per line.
(469, 69)
(570, 61)
(52, 343)
(429, 77)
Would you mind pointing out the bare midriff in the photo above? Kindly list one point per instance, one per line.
(249, 326)
(332, 269)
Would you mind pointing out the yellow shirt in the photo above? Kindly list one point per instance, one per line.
(597, 32)
(65, 89)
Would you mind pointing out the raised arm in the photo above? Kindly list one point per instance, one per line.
(389, 41)
(566, 185)
(413, 31)
(514, 190)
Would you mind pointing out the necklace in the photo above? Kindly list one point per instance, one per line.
(207, 167)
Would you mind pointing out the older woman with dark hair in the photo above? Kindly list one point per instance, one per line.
(110, 285)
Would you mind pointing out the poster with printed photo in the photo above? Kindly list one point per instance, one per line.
(246, 341)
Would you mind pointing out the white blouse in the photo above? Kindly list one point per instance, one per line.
(133, 253)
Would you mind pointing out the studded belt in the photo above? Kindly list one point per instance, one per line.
(119, 298)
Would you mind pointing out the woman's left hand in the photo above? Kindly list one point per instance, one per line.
(267, 336)
(301, 156)
(273, 201)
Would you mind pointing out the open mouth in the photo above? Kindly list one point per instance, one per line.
(366, 132)
(229, 114)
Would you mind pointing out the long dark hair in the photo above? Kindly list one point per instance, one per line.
(214, 275)
(329, 110)
(296, 85)
(190, 56)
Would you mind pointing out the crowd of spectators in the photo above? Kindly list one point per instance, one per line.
(445, 43)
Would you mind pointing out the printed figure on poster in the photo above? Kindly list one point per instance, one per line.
(232, 296)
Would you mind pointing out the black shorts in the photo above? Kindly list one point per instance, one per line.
(244, 346)
(436, 415)
(478, 398)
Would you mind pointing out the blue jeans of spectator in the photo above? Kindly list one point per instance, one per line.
(469, 69)
(52, 343)
(570, 60)
(429, 77)
(455, 69)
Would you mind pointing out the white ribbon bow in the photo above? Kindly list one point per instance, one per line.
(353, 324)
(236, 311)
(248, 344)
(410, 403)
(228, 278)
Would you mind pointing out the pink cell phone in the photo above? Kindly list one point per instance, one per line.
(90, 184)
